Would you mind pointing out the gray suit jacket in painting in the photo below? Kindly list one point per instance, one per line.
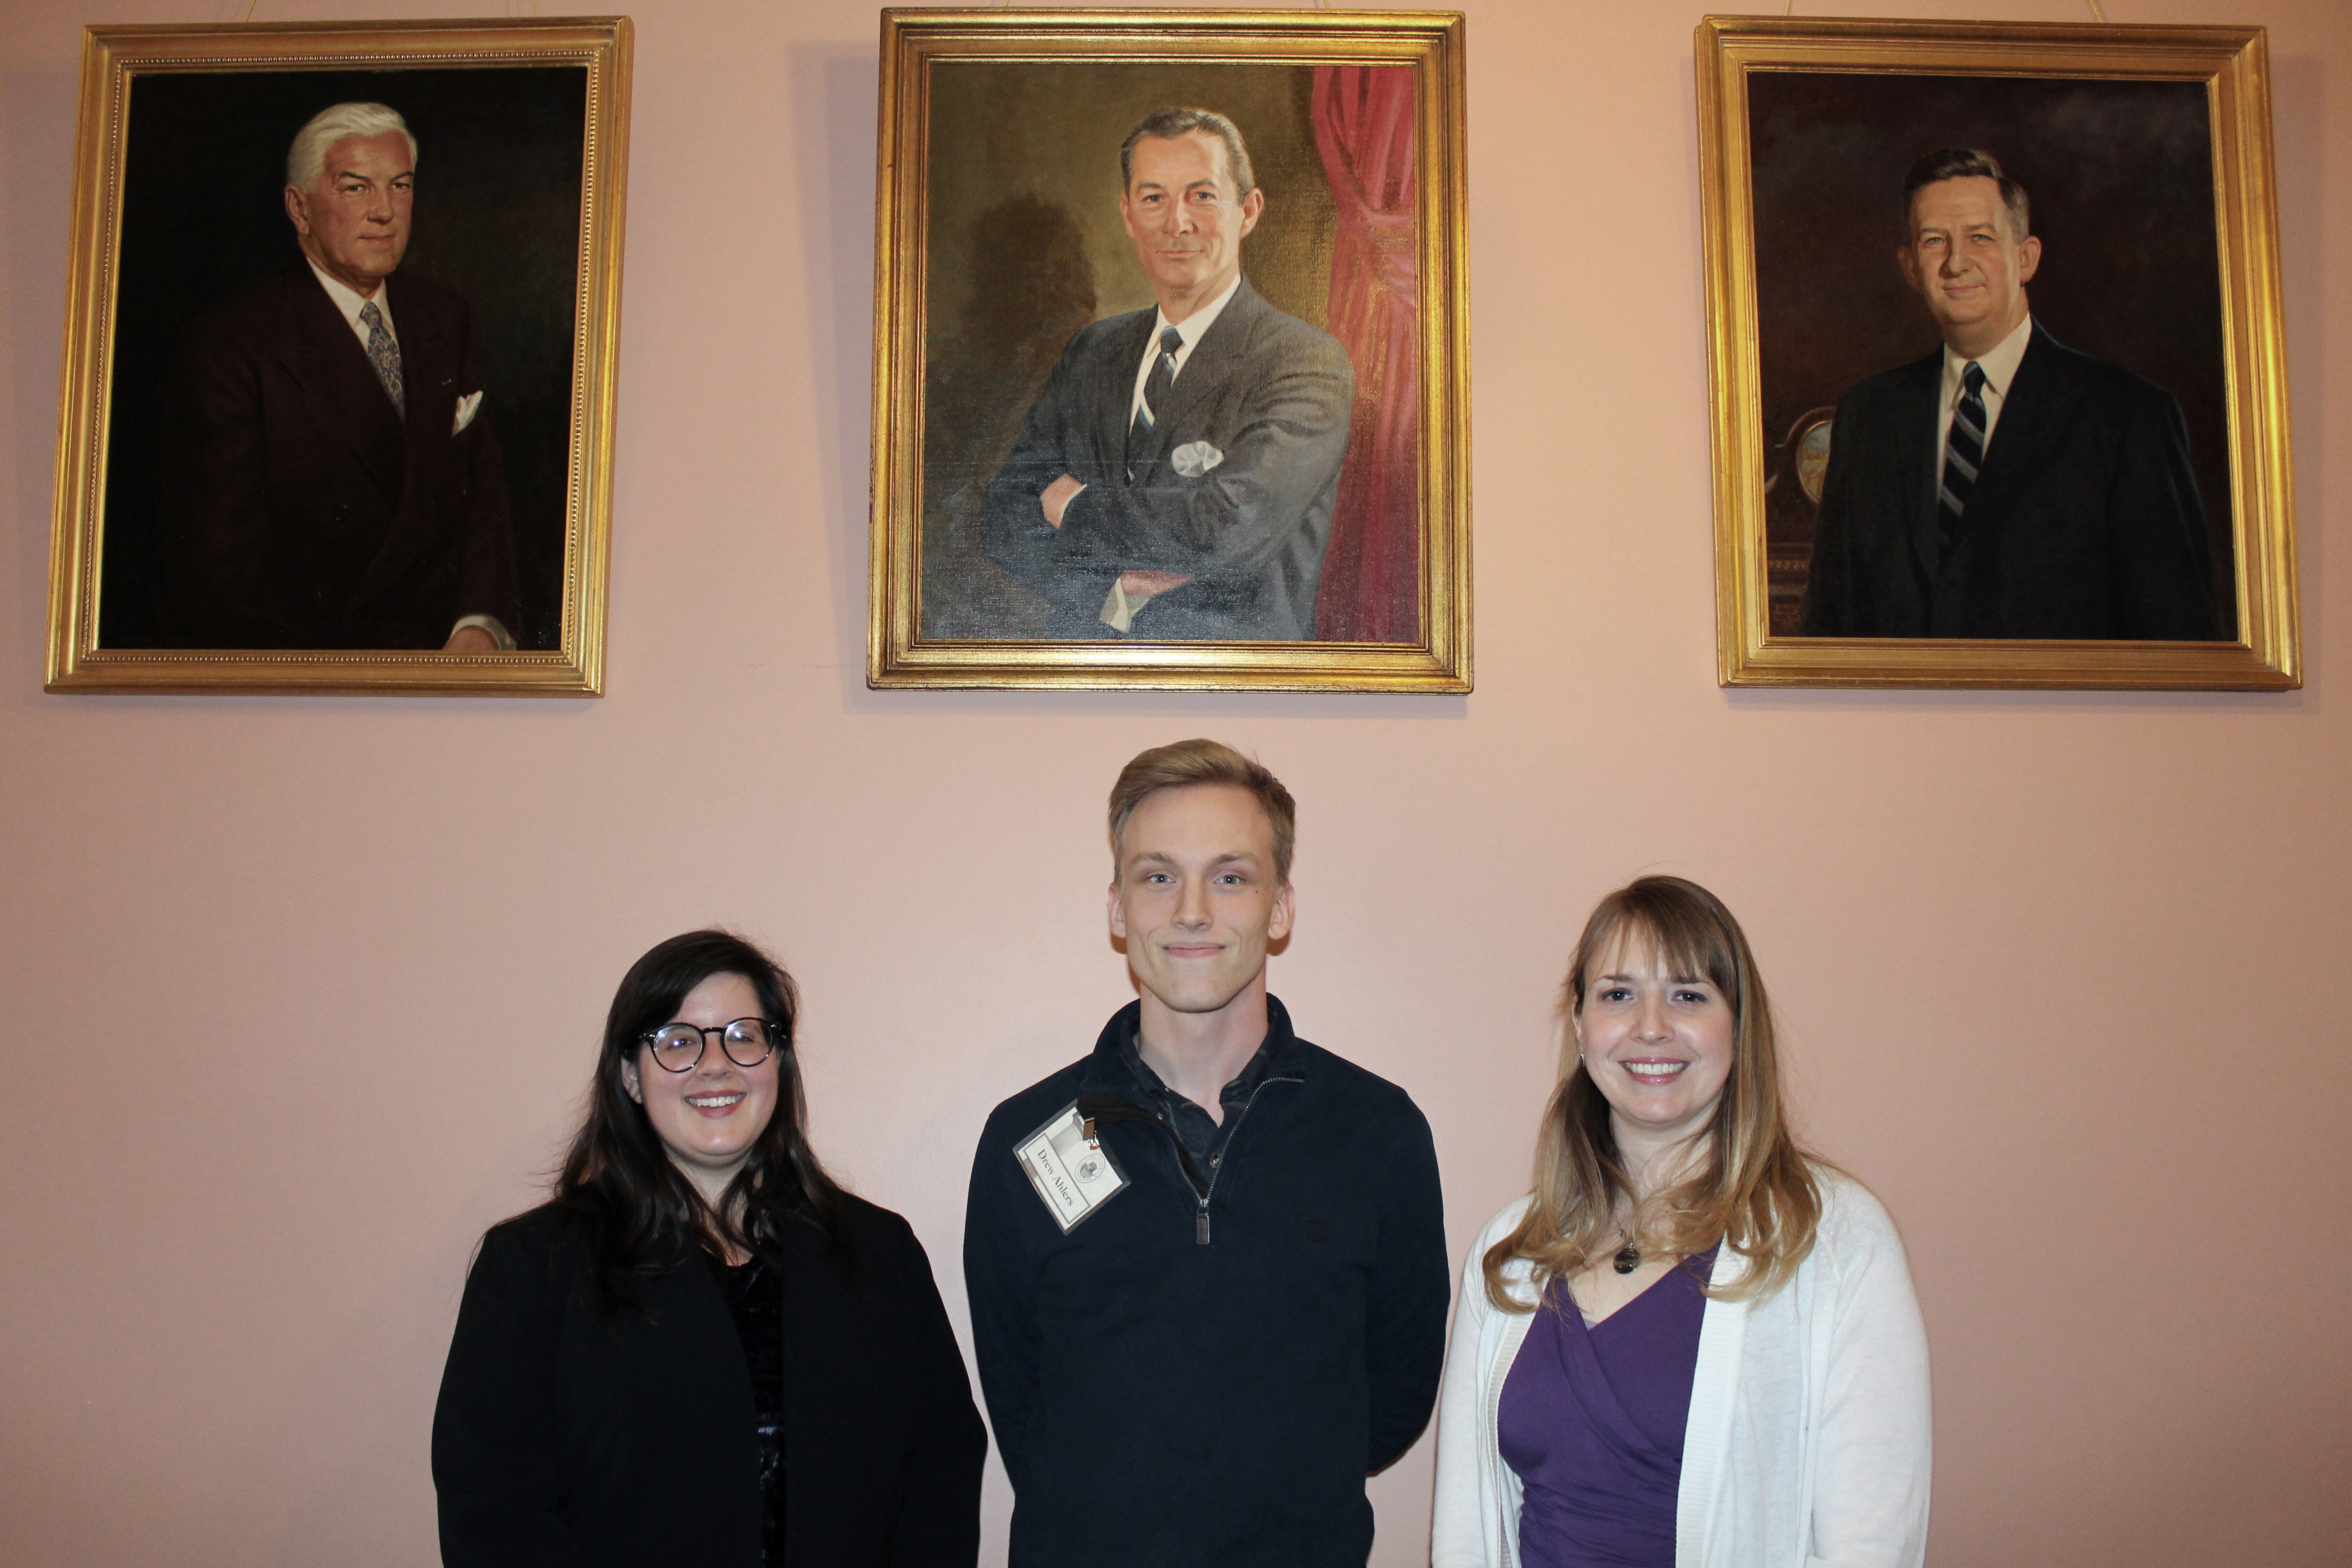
(1267, 394)
(2084, 522)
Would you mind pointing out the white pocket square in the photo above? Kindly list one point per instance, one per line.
(1194, 459)
(467, 406)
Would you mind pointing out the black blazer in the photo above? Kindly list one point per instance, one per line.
(1268, 395)
(311, 513)
(2085, 522)
(561, 1439)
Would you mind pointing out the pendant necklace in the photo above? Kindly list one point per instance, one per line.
(1629, 1256)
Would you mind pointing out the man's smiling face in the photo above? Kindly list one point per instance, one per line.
(354, 218)
(1967, 263)
(1197, 899)
(1187, 221)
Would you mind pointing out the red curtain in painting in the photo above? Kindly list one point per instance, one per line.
(1372, 572)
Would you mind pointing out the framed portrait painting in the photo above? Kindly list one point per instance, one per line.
(1997, 364)
(338, 370)
(1170, 351)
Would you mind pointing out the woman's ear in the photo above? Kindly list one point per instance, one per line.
(629, 1082)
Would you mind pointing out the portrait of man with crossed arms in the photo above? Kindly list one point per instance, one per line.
(1175, 478)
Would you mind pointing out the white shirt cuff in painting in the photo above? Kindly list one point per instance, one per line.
(467, 406)
(1118, 613)
(1132, 592)
(490, 623)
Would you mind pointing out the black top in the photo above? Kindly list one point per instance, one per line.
(565, 1440)
(1206, 1138)
(755, 1298)
(1205, 1380)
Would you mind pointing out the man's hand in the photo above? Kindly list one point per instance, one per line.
(470, 639)
(1144, 586)
(1057, 497)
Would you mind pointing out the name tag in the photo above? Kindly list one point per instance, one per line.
(1073, 1173)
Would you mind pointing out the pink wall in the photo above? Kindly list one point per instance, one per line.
(298, 992)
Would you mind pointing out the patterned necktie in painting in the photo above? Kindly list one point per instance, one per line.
(385, 355)
(1156, 388)
(1963, 455)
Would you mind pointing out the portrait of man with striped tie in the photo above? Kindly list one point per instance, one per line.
(340, 484)
(1176, 477)
(2004, 485)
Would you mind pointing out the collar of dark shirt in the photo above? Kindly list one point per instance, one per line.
(1236, 1092)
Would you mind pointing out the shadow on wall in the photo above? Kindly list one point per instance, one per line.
(1021, 302)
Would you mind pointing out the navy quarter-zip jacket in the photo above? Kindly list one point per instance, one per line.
(1196, 1380)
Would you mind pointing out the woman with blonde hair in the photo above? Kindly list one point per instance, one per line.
(1693, 1345)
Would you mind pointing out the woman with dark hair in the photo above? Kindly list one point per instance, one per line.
(703, 1350)
(1693, 1345)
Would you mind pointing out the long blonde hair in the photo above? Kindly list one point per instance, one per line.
(1754, 1188)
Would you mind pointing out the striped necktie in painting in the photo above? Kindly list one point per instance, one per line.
(1963, 455)
(385, 355)
(1156, 388)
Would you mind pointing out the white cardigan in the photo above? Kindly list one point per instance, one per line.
(1808, 1442)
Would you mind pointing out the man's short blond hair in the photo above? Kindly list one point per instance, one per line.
(1187, 762)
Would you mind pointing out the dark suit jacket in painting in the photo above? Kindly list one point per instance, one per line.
(564, 1441)
(312, 514)
(2085, 522)
(1269, 395)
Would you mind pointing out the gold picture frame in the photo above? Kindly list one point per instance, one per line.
(176, 476)
(1802, 148)
(1001, 134)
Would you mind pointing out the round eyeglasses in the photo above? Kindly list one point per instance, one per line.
(677, 1047)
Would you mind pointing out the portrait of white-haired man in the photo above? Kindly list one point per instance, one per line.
(1176, 477)
(336, 482)
(2004, 485)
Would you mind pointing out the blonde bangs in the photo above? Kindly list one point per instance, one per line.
(1754, 1189)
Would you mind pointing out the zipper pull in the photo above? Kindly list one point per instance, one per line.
(1201, 1227)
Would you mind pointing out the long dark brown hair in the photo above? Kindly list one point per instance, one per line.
(1754, 1186)
(636, 1212)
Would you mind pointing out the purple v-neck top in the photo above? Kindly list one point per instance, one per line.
(1592, 1420)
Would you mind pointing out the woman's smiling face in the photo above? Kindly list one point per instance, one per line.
(708, 1116)
(1656, 1044)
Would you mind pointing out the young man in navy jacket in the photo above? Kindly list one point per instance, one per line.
(1207, 1262)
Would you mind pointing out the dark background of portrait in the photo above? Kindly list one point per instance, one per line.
(1024, 246)
(2120, 179)
(496, 218)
